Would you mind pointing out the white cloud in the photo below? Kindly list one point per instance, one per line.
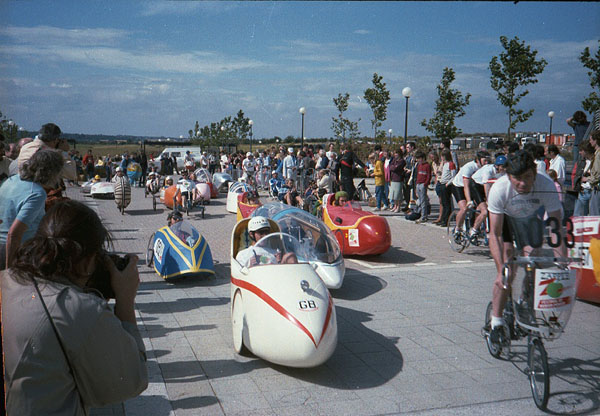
(362, 32)
(61, 86)
(47, 35)
(184, 8)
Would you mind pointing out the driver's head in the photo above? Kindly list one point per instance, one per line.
(521, 170)
(341, 198)
(258, 227)
(174, 217)
(500, 163)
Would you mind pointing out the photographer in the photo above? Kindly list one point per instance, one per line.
(65, 350)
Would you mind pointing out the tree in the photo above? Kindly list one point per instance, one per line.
(449, 106)
(340, 125)
(240, 127)
(592, 102)
(516, 67)
(378, 99)
(8, 128)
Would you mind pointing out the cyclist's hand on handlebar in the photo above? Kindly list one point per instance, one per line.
(470, 204)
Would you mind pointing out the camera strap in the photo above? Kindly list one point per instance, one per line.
(62, 347)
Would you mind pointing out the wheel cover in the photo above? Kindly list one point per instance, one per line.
(237, 323)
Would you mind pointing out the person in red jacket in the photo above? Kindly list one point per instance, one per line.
(423, 170)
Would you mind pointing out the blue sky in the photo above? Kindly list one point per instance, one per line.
(154, 68)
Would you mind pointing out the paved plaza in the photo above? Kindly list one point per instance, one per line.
(409, 325)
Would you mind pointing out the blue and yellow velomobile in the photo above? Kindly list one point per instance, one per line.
(179, 251)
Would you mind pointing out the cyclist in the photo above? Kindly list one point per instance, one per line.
(185, 188)
(519, 194)
(460, 185)
(479, 187)
(249, 167)
(258, 227)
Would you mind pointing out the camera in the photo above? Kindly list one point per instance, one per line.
(100, 280)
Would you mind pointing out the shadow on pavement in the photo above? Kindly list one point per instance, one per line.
(179, 305)
(393, 256)
(358, 285)
(156, 330)
(148, 211)
(363, 359)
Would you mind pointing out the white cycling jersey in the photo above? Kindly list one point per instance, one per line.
(486, 174)
(466, 171)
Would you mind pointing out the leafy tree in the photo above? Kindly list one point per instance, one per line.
(378, 99)
(592, 102)
(340, 125)
(240, 127)
(516, 67)
(8, 128)
(449, 106)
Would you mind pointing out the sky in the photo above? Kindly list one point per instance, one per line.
(155, 68)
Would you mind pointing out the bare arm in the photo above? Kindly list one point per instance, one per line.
(13, 240)
(496, 240)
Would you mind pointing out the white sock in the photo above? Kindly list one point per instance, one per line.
(497, 321)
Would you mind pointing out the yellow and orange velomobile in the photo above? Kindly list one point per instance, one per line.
(357, 231)
(586, 233)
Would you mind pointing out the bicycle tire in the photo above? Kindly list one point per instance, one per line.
(122, 209)
(154, 202)
(457, 243)
(539, 373)
(494, 349)
(150, 251)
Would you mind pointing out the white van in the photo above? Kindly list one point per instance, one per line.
(526, 140)
(179, 153)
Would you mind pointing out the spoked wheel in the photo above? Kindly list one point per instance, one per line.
(202, 212)
(494, 349)
(154, 202)
(237, 324)
(458, 240)
(539, 373)
(188, 208)
(122, 208)
(150, 251)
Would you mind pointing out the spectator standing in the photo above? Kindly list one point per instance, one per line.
(580, 185)
(379, 175)
(408, 183)
(557, 163)
(289, 165)
(325, 181)
(88, 163)
(397, 175)
(66, 350)
(594, 178)
(144, 166)
(436, 169)
(323, 161)
(448, 172)
(22, 204)
(422, 181)
(330, 151)
(347, 163)
(386, 170)
(580, 125)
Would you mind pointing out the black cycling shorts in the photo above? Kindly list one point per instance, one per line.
(185, 193)
(477, 192)
(506, 231)
(458, 192)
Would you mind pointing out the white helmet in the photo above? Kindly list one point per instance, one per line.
(258, 223)
(249, 154)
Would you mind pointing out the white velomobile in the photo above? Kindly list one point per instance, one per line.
(316, 238)
(221, 181)
(280, 308)
(236, 188)
(103, 190)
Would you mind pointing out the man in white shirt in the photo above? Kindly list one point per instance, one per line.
(290, 165)
(204, 160)
(557, 163)
(249, 167)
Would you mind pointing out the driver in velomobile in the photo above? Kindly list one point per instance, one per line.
(182, 230)
(259, 227)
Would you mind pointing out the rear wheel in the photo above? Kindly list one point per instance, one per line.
(539, 374)
(494, 349)
(122, 208)
(457, 237)
(154, 202)
(237, 324)
(150, 251)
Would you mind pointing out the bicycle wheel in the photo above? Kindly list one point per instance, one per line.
(539, 373)
(494, 349)
(154, 202)
(150, 251)
(122, 209)
(458, 239)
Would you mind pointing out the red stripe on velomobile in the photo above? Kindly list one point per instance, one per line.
(281, 310)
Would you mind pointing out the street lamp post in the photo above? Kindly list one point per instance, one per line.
(551, 115)
(302, 111)
(250, 123)
(406, 92)
(390, 133)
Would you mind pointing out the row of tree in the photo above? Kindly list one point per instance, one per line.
(515, 68)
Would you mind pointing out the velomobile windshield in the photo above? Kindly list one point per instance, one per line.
(185, 232)
(203, 176)
(275, 248)
(317, 240)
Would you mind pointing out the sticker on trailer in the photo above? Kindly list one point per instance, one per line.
(353, 238)
(159, 249)
(554, 289)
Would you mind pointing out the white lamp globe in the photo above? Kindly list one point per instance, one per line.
(407, 92)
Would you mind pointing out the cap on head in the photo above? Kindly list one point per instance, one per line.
(175, 215)
(169, 178)
(274, 172)
(248, 154)
(500, 160)
(257, 223)
(290, 150)
(119, 169)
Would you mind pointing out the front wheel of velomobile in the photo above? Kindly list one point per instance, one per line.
(539, 373)
(494, 349)
(457, 240)
(237, 324)
(122, 209)
(150, 251)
